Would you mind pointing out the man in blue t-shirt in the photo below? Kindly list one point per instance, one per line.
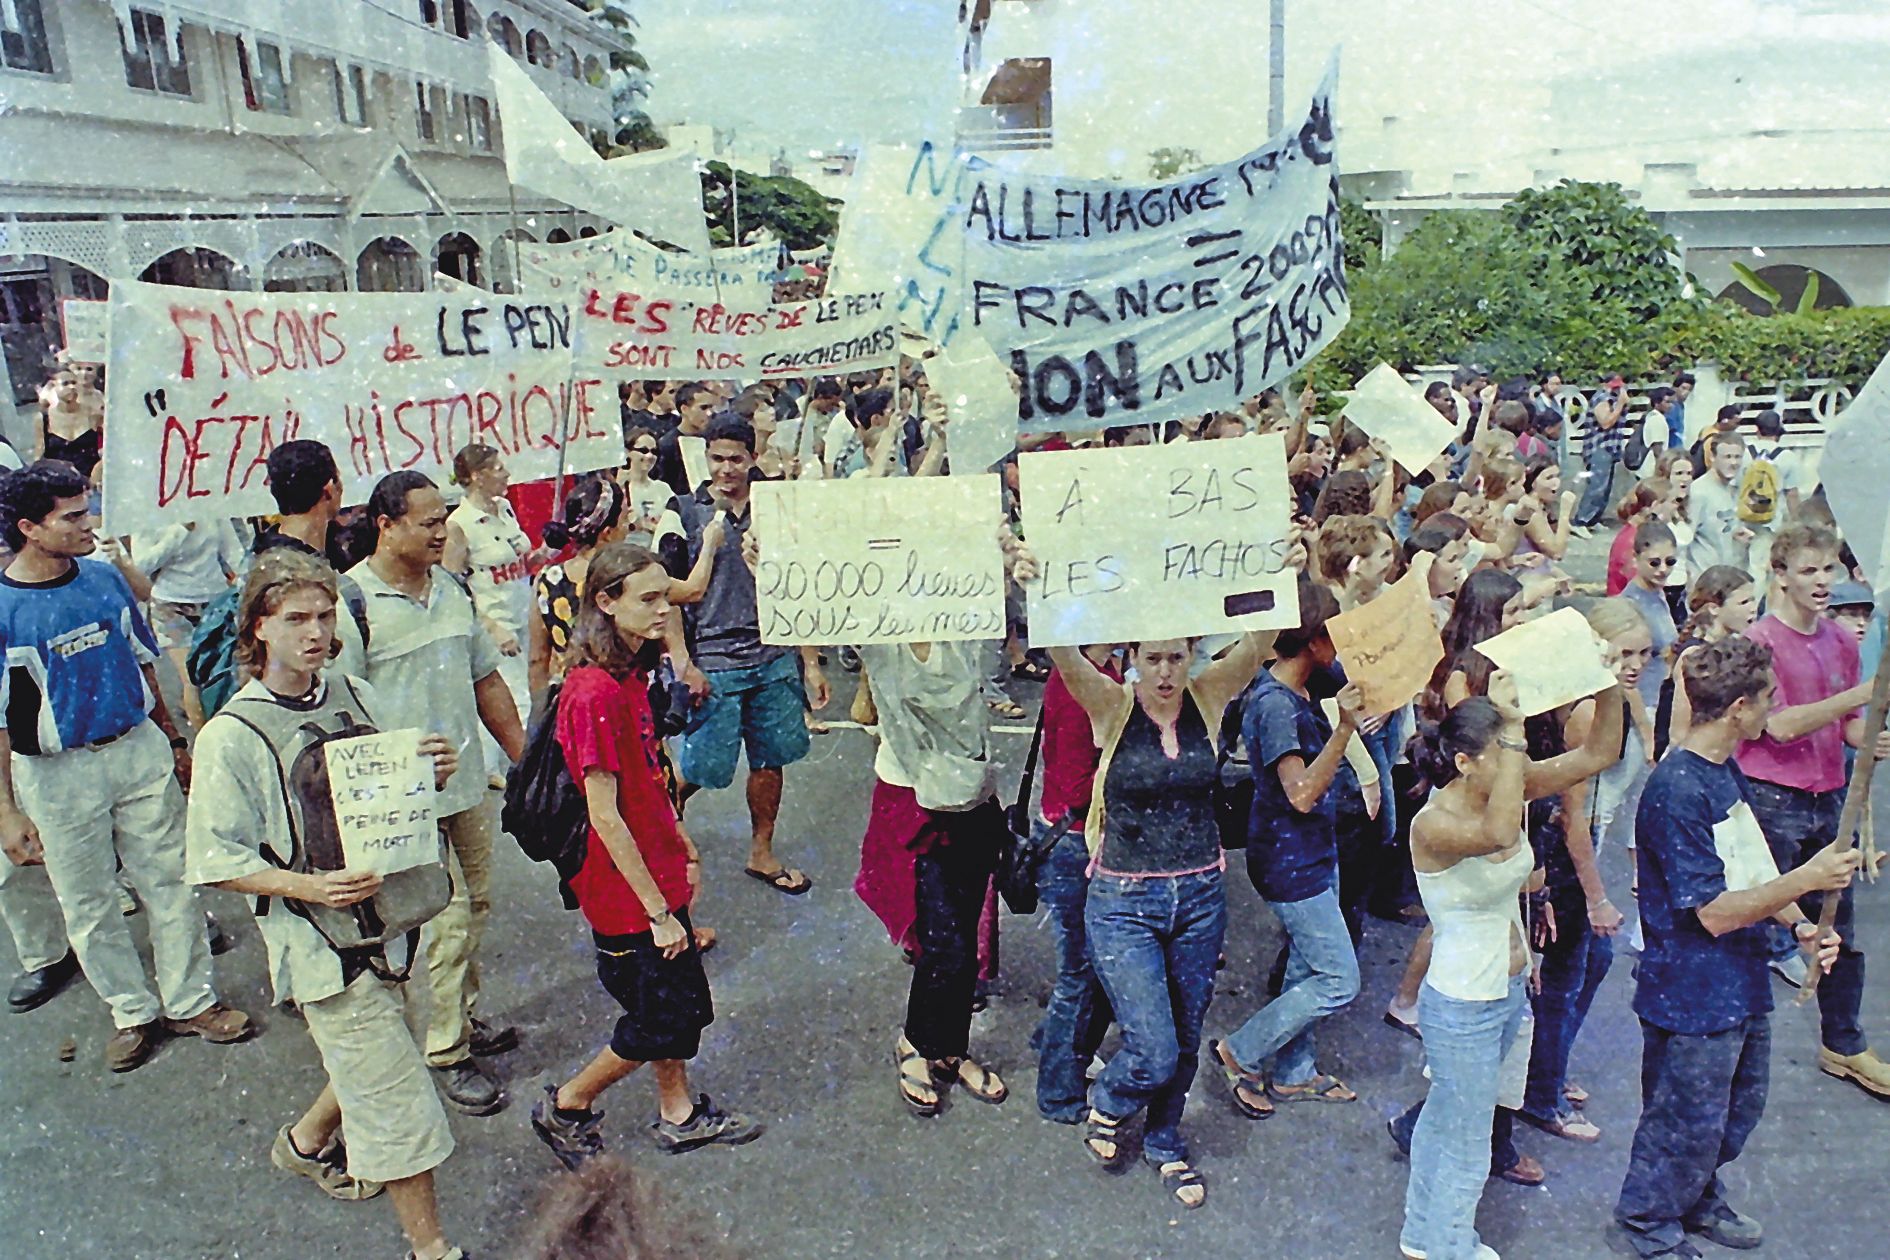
(1293, 860)
(96, 782)
(1708, 884)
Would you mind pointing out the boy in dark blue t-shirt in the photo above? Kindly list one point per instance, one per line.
(1292, 857)
(1708, 885)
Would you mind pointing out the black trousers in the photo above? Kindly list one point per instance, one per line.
(950, 878)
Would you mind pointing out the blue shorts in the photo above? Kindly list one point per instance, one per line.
(762, 709)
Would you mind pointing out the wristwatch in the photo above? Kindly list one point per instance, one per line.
(658, 919)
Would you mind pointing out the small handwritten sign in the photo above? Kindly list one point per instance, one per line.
(1390, 646)
(879, 560)
(1388, 409)
(383, 793)
(1159, 542)
(84, 329)
(1555, 660)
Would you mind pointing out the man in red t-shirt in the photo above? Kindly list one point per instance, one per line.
(1797, 777)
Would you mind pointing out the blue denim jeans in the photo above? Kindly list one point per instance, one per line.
(1797, 824)
(1573, 965)
(1154, 941)
(1701, 1098)
(1600, 461)
(1321, 978)
(1464, 1043)
(1078, 1013)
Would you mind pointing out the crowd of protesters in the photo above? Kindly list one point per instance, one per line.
(626, 630)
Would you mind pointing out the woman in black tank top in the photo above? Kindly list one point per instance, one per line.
(1156, 910)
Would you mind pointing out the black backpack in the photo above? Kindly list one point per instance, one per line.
(544, 809)
(1233, 778)
(406, 900)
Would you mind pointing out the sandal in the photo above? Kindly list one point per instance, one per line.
(1527, 1171)
(787, 879)
(1029, 671)
(1249, 1092)
(1321, 1088)
(1576, 1095)
(1007, 709)
(1179, 1177)
(1106, 1129)
(915, 1080)
(973, 1077)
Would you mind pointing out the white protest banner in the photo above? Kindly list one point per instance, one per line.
(979, 400)
(695, 457)
(739, 278)
(624, 334)
(879, 560)
(1555, 660)
(1159, 542)
(1855, 469)
(1123, 304)
(206, 383)
(1388, 409)
(383, 793)
(443, 283)
(899, 231)
(82, 327)
(658, 193)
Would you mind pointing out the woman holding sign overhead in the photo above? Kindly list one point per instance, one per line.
(1473, 859)
(1157, 907)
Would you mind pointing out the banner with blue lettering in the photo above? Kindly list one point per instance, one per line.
(1123, 304)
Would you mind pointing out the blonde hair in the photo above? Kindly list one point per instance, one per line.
(1612, 618)
(276, 575)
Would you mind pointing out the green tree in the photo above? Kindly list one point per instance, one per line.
(1363, 235)
(1169, 162)
(1615, 246)
(791, 209)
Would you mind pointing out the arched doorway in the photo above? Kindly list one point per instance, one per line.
(538, 51)
(557, 236)
(304, 267)
(196, 269)
(504, 276)
(1789, 280)
(504, 32)
(390, 265)
(457, 255)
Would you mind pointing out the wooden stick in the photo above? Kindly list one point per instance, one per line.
(1855, 798)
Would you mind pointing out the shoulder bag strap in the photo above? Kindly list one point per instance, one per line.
(1029, 780)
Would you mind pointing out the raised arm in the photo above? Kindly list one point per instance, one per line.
(1600, 750)
(1099, 694)
(1223, 679)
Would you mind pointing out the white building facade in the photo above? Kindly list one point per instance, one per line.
(267, 144)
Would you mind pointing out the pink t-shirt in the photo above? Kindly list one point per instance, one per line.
(1621, 560)
(1809, 668)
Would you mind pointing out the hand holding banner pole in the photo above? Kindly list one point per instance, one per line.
(1855, 799)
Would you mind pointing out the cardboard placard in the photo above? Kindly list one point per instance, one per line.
(382, 788)
(1385, 406)
(879, 560)
(1390, 646)
(82, 325)
(1159, 542)
(625, 334)
(1555, 660)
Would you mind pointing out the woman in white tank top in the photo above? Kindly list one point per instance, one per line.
(1473, 859)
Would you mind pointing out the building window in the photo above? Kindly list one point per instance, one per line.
(151, 62)
(423, 112)
(479, 112)
(351, 95)
(23, 43)
(430, 12)
(265, 90)
(460, 19)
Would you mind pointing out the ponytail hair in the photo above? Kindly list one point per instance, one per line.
(1467, 729)
(595, 506)
(1708, 595)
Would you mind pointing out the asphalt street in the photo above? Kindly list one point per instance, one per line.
(171, 1161)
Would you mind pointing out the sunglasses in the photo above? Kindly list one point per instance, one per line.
(1659, 563)
(643, 450)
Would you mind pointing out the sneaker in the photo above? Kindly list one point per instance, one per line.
(37, 987)
(1864, 1069)
(488, 1041)
(218, 1024)
(1483, 1252)
(572, 1140)
(452, 1253)
(707, 1123)
(849, 660)
(1791, 970)
(1730, 1229)
(466, 1085)
(130, 1047)
(329, 1169)
(1621, 1242)
(1581, 531)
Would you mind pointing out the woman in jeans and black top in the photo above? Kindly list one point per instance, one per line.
(1077, 1014)
(1157, 908)
(1473, 859)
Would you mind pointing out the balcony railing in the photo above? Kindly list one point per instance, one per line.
(1004, 139)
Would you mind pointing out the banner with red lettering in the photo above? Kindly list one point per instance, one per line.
(631, 332)
(205, 383)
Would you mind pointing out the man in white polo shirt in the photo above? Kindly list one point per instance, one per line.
(436, 669)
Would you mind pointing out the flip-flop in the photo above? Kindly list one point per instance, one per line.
(1321, 1089)
(787, 879)
(1408, 1029)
